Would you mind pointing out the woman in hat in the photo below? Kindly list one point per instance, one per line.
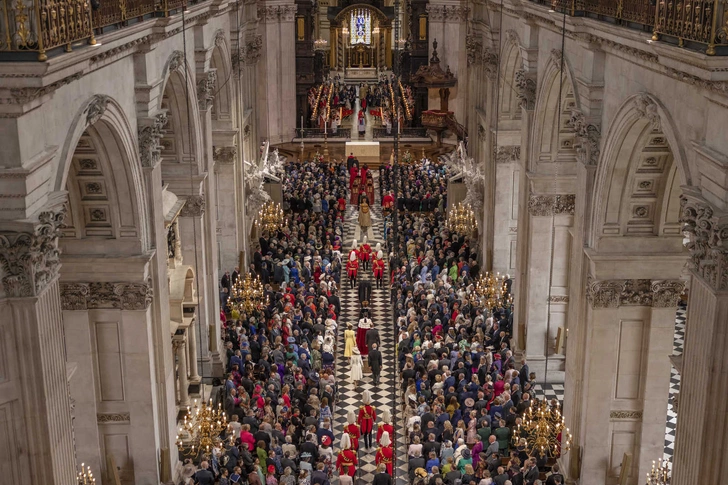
(367, 415)
(356, 367)
(270, 478)
(385, 426)
(347, 461)
(352, 429)
(349, 339)
(385, 453)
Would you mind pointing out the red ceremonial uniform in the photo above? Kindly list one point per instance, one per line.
(353, 173)
(387, 201)
(351, 268)
(384, 455)
(367, 415)
(364, 171)
(364, 251)
(342, 204)
(382, 428)
(353, 431)
(347, 458)
(378, 267)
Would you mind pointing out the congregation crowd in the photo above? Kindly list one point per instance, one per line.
(419, 186)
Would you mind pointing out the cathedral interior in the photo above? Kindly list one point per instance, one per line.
(304, 165)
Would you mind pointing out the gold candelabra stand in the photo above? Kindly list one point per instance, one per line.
(85, 477)
(270, 217)
(248, 293)
(660, 474)
(544, 429)
(460, 219)
(201, 429)
(491, 290)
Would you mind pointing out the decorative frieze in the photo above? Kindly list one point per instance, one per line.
(640, 292)
(150, 136)
(118, 296)
(526, 87)
(588, 138)
(558, 299)
(272, 13)
(547, 205)
(708, 241)
(625, 415)
(447, 13)
(96, 108)
(646, 107)
(113, 418)
(206, 89)
(194, 206)
(508, 154)
(225, 155)
(436, 13)
(30, 260)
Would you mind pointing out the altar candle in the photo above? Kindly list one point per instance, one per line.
(324, 127)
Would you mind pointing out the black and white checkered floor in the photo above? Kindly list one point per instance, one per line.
(383, 395)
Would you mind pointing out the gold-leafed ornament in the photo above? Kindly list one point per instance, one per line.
(660, 473)
(270, 217)
(248, 294)
(85, 477)
(201, 428)
(461, 219)
(544, 429)
(491, 290)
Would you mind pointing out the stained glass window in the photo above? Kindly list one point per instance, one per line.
(361, 27)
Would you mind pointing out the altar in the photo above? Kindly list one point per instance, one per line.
(360, 74)
(364, 151)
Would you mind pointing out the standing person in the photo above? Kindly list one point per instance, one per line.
(382, 477)
(362, 122)
(378, 268)
(352, 267)
(365, 217)
(385, 453)
(385, 426)
(375, 363)
(352, 429)
(365, 254)
(367, 415)
(356, 365)
(365, 323)
(350, 340)
(346, 461)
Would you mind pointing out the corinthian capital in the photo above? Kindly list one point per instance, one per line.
(194, 206)
(708, 241)
(30, 260)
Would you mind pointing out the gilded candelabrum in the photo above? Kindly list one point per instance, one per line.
(660, 473)
(85, 477)
(202, 427)
(270, 217)
(491, 290)
(460, 219)
(544, 430)
(247, 294)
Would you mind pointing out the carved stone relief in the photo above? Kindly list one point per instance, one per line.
(646, 108)
(150, 135)
(194, 206)
(625, 415)
(120, 296)
(508, 154)
(616, 293)
(96, 109)
(708, 241)
(206, 89)
(546, 205)
(588, 138)
(526, 87)
(224, 155)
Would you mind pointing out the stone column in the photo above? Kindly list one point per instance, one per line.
(192, 352)
(35, 400)
(179, 342)
(700, 436)
(226, 158)
(505, 213)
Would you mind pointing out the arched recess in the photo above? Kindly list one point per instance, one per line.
(183, 132)
(512, 61)
(100, 169)
(553, 139)
(223, 109)
(638, 184)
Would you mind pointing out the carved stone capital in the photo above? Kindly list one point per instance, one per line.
(274, 13)
(455, 13)
(119, 296)
(176, 61)
(547, 205)
(604, 294)
(708, 241)
(253, 50)
(666, 293)
(490, 63)
(508, 154)
(150, 134)
(96, 108)
(194, 206)
(473, 47)
(436, 13)
(616, 293)
(588, 138)
(30, 260)
(558, 299)
(287, 13)
(206, 89)
(526, 87)
(647, 109)
(225, 155)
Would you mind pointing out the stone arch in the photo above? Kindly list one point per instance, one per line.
(183, 132)
(222, 106)
(512, 61)
(639, 178)
(101, 171)
(553, 139)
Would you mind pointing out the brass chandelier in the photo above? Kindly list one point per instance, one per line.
(460, 219)
(544, 429)
(85, 477)
(660, 474)
(248, 294)
(202, 427)
(491, 290)
(270, 217)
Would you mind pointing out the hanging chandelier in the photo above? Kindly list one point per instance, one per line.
(491, 290)
(544, 429)
(247, 294)
(85, 477)
(270, 217)
(320, 44)
(202, 427)
(660, 474)
(460, 219)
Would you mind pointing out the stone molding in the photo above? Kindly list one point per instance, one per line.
(96, 108)
(253, 50)
(26, 95)
(176, 61)
(473, 47)
(490, 63)
(547, 205)
(447, 13)
(224, 155)
(115, 418)
(557, 56)
(194, 206)
(118, 296)
(647, 109)
(206, 89)
(526, 87)
(282, 13)
(588, 139)
(617, 293)
(625, 415)
(150, 136)
(508, 154)
(558, 299)
(708, 241)
(31, 260)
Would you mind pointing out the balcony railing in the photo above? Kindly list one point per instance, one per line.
(695, 24)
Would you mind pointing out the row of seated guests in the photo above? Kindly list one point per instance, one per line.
(462, 393)
(314, 185)
(420, 186)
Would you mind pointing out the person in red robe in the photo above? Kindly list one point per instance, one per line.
(365, 252)
(352, 267)
(364, 172)
(367, 415)
(342, 204)
(385, 453)
(353, 174)
(388, 201)
(385, 426)
(378, 267)
(346, 461)
(352, 429)
(355, 191)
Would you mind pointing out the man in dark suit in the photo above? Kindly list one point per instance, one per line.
(530, 472)
(365, 290)
(236, 274)
(372, 338)
(523, 374)
(382, 477)
(310, 447)
(203, 476)
(556, 478)
(375, 359)
(414, 463)
(336, 301)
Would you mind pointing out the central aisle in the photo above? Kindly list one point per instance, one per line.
(381, 315)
